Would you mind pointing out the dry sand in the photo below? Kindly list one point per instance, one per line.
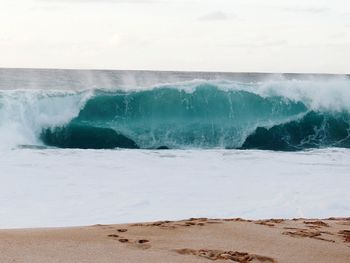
(193, 240)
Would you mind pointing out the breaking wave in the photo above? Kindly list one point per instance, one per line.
(278, 114)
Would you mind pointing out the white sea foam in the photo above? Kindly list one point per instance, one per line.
(332, 95)
(42, 188)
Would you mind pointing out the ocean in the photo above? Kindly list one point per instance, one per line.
(82, 147)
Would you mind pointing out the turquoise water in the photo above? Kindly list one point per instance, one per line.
(172, 110)
(207, 117)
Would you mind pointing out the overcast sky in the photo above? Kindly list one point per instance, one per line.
(208, 35)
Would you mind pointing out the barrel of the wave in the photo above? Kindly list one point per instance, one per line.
(204, 117)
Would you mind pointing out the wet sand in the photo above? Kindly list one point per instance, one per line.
(192, 240)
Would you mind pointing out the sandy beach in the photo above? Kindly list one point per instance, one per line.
(192, 240)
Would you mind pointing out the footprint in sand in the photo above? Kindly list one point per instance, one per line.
(184, 223)
(236, 220)
(140, 243)
(346, 235)
(143, 244)
(241, 257)
(200, 222)
(113, 235)
(314, 234)
(270, 222)
(344, 222)
(316, 224)
(119, 238)
(161, 224)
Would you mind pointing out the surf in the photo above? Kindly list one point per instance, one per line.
(275, 114)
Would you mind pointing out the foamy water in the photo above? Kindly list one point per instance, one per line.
(42, 188)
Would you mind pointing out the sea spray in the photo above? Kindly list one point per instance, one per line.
(24, 113)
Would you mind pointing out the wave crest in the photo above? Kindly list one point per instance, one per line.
(274, 114)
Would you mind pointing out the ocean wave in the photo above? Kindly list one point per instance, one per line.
(276, 114)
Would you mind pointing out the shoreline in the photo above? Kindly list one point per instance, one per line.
(192, 240)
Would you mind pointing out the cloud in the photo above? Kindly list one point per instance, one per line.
(214, 16)
(4, 38)
(337, 44)
(106, 1)
(338, 35)
(257, 44)
(310, 10)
